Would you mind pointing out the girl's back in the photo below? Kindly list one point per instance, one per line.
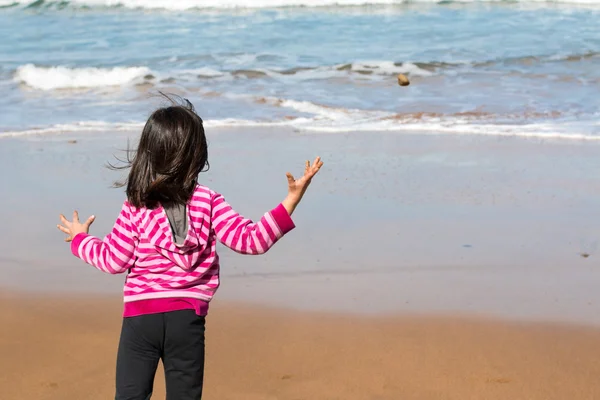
(165, 238)
(172, 250)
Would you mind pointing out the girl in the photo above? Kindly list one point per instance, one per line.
(165, 238)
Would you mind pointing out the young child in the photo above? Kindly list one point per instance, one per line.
(165, 239)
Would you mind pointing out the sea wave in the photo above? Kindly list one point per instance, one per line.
(108, 127)
(245, 4)
(527, 124)
(358, 70)
(327, 119)
(538, 131)
(80, 126)
(376, 68)
(63, 77)
(60, 77)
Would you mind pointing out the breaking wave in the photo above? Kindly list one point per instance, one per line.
(233, 4)
(59, 77)
(327, 119)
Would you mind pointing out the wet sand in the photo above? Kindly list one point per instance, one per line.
(457, 225)
(64, 348)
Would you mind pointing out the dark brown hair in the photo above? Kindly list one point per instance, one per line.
(171, 153)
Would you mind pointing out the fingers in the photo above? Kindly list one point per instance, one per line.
(65, 230)
(89, 221)
(290, 178)
(64, 221)
(317, 164)
(309, 172)
(67, 226)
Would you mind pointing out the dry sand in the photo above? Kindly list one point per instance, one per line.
(55, 348)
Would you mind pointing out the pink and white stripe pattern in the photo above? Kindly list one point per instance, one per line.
(141, 242)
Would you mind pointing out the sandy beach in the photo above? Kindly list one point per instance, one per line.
(64, 348)
(423, 267)
(447, 250)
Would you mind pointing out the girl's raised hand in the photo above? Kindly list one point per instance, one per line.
(297, 187)
(73, 228)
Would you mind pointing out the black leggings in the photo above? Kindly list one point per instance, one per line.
(176, 337)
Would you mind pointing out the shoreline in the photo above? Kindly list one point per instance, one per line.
(263, 353)
(124, 130)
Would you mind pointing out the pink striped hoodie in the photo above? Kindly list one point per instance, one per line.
(141, 242)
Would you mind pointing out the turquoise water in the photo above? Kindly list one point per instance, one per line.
(530, 69)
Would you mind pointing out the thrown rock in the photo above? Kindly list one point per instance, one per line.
(403, 80)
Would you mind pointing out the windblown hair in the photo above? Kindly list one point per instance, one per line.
(172, 151)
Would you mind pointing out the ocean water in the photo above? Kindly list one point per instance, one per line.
(480, 68)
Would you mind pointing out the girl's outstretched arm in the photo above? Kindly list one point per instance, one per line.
(243, 235)
(247, 237)
(114, 254)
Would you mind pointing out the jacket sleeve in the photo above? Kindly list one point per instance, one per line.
(114, 254)
(243, 235)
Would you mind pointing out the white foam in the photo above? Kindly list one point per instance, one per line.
(219, 4)
(62, 77)
(360, 70)
(179, 5)
(532, 130)
(340, 120)
(319, 112)
(331, 113)
(327, 119)
(363, 70)
(81, 126)
(541, 131)
(108, 127)
(388, 68)
(203, 72)
(59, 77)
